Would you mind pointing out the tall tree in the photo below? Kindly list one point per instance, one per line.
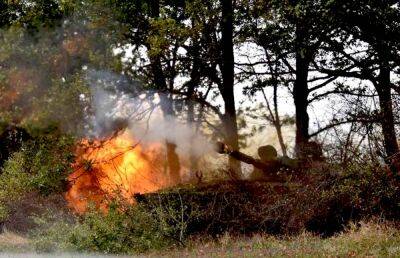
(228, 80)
(376, 25)
(156, 30)
(291, 34)
(160, 83)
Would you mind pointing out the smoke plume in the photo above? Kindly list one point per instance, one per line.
(119, 103)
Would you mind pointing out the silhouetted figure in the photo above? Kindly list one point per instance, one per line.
(174, 165)
(267, 167)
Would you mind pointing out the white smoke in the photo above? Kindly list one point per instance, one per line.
(114, 102)
(118, 103)
(185, 136)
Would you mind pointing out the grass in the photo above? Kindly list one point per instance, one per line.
(11, 242)
(368, 240)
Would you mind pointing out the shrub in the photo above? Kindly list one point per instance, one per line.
(213, 209)
(325, 203)
(371, 189)
(123, 229)
(42, 165)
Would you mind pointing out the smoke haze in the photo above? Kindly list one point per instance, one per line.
(118, 103)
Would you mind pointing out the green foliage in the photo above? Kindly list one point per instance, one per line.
(34, 15)
(42, 165)
(331, 199)
(327, 205)
(164, 33)
(4, 213)
(342, 195)
(50, 164)
(372, 190)
(119, 232)
(43, 77)
(214, 208)
(14, 183)
(43, 54)
(62, 105)
(14, 180)
(123, 229)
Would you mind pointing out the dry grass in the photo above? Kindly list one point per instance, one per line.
(11, 242)
(368, 240)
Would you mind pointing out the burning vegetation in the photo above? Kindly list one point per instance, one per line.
(116, 167)
(104, 104)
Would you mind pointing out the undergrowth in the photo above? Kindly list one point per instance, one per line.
(323, 207)
(324, 202)
(41, 166)
(124, 229)
(372, 239)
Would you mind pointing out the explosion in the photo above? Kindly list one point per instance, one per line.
(117, 167)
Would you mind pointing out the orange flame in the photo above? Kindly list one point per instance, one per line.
(116, 167)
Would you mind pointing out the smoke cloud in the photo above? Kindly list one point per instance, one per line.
(120, 103)
(185, 136)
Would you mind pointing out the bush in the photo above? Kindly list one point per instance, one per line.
(42, 165)
(215, 208)
(123, 229)
(325, 203)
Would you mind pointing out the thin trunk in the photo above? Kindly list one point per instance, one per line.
(300, 93)
(387, 118)
(191, 122)
(275, 115)
(278, 124)
(227, 91)
(159, 81)
(275, 118)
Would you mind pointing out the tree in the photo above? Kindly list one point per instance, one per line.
(42, 60)
(210, 36)
(291, 34)
(155, 26)
(374, 23)
(159, 80)
(228, 79)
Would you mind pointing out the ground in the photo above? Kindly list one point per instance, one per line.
(370, 240)
(364, 240)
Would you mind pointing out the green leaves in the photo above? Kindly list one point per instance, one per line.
(163, 34)
(42, 165)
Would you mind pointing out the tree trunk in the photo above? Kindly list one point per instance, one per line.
(275, 118)
(159, 81)
(195, 80)
(227, 91)
(300, 92)
(387, 120)
(172, 157)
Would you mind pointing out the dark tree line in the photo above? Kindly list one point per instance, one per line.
(187, 51)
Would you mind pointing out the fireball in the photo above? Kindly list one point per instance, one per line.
(117, 167)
